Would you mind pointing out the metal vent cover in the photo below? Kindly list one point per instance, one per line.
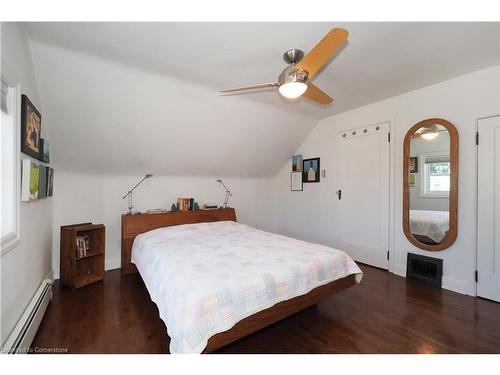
(426, 269)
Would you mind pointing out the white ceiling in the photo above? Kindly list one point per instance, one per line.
(163, 78)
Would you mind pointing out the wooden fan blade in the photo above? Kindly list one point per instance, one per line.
(319, 55)
(254, 87)
(314, 93)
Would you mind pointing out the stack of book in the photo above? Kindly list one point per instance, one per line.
(82, 246)
(185, 204)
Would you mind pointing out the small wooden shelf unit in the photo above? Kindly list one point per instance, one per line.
(75, 271)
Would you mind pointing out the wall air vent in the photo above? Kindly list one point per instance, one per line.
(426, 269)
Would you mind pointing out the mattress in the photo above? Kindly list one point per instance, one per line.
(432, 224)
(206, 277)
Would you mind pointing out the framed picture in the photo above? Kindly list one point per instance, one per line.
(50, 181)
(297, 163)
(412, 180)
(310, 168)
(31, 128)
(413, 165)
(30, 180)
(296, 181)
(44, 151)
(42, 182)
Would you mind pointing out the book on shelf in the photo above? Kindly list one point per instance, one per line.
(185, 204)
(81, 246)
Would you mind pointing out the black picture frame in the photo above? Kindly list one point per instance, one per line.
(44, 150)
(30, 117)
(413, 165)
(296, 188)
(305, 170)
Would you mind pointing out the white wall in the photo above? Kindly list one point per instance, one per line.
(309, 214)
(26, 265)
(98, 199)
(418, 147)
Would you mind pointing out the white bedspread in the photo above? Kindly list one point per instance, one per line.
(433, 224)
(206, 277)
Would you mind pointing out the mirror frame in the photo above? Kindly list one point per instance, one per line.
(451, 236)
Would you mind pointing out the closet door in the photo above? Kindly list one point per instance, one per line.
(488, 200)
(362, 194)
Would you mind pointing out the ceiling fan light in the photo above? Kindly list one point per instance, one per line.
(292, 90)
(429, 136)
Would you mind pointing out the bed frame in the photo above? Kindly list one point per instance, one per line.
(133, 225)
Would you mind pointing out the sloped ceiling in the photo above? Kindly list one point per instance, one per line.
(132, 98)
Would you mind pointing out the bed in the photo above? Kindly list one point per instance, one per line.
(215, 280)
(429, 226)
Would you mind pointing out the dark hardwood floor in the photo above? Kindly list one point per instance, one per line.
(384, 314)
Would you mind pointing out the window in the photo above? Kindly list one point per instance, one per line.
(9, 172)
(436, 175)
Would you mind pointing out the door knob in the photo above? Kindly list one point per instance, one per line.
(339, 194)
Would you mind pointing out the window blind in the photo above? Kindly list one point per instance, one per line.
(437, 159)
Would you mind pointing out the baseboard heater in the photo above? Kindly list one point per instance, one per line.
(24, 332)
(426, 269)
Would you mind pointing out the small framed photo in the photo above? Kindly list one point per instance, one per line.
(296, 181)
(31, 128)
(412, 180)
(297, 163)
(44, 151)
(413, 165)
(310, 168)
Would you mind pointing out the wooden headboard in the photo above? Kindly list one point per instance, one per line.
(133, 225)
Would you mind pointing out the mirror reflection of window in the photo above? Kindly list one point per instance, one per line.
(437, 177)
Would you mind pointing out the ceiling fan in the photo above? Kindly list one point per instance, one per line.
(295, 80)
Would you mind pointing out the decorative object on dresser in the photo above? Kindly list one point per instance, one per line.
(210, 206)
(185, 204)
(82, 254)
(156, 211)
(228, 193)
(133, 225)
(310, 168)
(31, 128)
(129, 194)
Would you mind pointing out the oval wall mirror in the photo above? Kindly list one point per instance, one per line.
(430, 184)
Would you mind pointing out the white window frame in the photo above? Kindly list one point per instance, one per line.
(10, 240)
(423, 177)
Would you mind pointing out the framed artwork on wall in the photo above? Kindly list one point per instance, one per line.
(310, 168)
(412, 180)
(44, 151)
(31, 128)
(297, 163)
(30, 180)
(296, 181)
(413, 165)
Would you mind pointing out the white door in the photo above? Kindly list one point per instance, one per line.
(488, 217)
(362, 194)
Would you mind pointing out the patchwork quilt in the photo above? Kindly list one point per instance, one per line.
(206, 277)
